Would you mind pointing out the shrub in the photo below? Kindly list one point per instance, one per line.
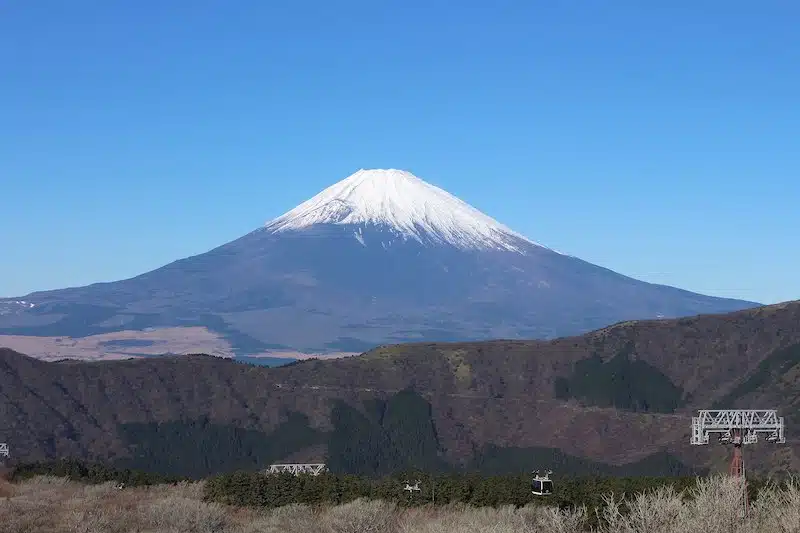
(183, 514)
(361, 516)
(713, 505)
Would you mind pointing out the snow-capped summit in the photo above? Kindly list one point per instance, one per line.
(379, 258)
(409, 206)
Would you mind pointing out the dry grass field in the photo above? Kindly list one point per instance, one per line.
(127, 344)
(56, 505)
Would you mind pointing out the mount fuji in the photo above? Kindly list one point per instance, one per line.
(379, 257)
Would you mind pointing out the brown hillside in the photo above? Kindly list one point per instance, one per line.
(631, 389)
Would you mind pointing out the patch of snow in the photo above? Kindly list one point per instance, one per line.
(8, 306)
(408, 205)
(359, 237)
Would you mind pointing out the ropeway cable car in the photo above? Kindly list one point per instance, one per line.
(542, 485)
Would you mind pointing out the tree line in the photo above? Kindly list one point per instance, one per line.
(258, 489)
(276, 490)
(90, 473)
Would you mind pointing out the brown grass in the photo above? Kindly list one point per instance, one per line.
(176, 340)
(50, 505)
(6, 489)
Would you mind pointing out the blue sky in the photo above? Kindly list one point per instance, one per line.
(659, 139)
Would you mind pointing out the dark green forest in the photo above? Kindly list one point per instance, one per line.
(388, 436)
(633, 385)
(207, 448)
(375, 439)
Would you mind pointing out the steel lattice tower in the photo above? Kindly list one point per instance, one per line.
(738, 427)
(736, 468)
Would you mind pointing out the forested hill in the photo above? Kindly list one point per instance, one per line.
(616, 398)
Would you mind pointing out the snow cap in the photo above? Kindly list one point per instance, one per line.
(406, 204)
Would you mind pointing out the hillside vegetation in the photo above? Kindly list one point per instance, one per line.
(50, 505)
(244, 488)
(616, 401)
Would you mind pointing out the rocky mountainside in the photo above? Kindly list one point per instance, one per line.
(622, 395)
(380, 257)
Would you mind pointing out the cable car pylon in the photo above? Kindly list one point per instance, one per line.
(738, 427)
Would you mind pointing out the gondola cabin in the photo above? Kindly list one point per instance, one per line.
(542, 485)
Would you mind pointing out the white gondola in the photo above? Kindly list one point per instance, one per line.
(542, 485)
(412, 488)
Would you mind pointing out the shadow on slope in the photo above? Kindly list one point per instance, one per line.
(494, 460)
(384, 437)
(633, 385)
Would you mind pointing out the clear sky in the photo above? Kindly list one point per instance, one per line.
(660, 139)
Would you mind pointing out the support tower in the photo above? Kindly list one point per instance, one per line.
(738, 427)
(314, 469)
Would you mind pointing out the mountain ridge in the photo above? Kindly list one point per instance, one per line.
(648, 377)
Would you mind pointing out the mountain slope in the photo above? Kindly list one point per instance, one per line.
(501, 398)
(379, 257)
(405, 205)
